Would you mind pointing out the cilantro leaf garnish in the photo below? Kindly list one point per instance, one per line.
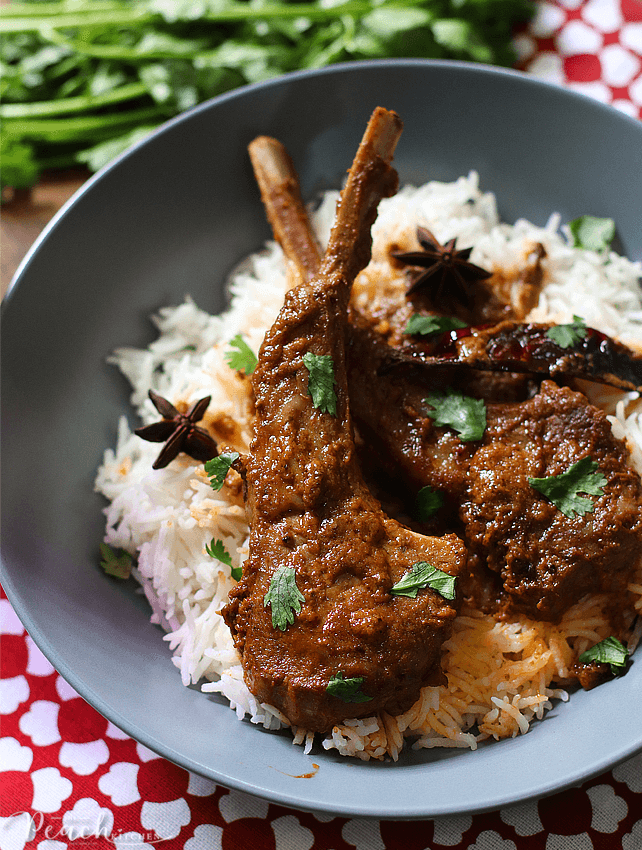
(608, 651)
(116, 565)
(284, 597)
(216, 549)
(427, 325)
(427, 503)
(591, 232)
(348, 690)
(422, 575)
(321, 381)
(563, 489)
(567, 335)
(465, 414)
(240, 356)
(218, 467)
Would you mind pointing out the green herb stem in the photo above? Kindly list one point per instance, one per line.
(69, 129)
(65, 106)
(120, 16)
(28, 10)
(55, 55)
(118, 53)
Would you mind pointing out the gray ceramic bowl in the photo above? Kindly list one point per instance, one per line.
(172, 217)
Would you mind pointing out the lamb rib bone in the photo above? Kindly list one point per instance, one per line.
(310, 511)
(281, 195)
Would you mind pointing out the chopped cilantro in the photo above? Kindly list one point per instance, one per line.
(422, 575)
(608, 651)
(217, 550)
(563, 489)
(284, 597)
(116, 565)
(240, 357)
(591, 232)
(567, 335)
(427, 503)
(218, 467)
(321, 381)
(348, 690)
(465, 414)
(427, 325)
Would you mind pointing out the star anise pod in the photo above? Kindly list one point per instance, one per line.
(451, 275)
(179, 431)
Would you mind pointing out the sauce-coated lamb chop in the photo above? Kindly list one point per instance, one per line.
(526, 555)
(321, 631)
(538, 560)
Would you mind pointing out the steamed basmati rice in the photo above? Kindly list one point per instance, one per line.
(500, 674)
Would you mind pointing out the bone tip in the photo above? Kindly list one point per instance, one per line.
(269, 156)
(384, 130)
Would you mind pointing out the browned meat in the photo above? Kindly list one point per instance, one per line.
(526, 554)
(310, 512)
(546, 560)
(592, 674)
(391, 417)
(527, 348)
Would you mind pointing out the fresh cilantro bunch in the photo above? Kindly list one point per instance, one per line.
(80, 82)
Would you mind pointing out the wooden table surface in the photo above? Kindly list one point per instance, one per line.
(26, 213)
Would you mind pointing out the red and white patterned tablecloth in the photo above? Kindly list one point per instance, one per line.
(70, 779)
(591, 46)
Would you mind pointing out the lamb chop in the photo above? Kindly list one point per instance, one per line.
(318, 618)
(527, 556)
(546, 555)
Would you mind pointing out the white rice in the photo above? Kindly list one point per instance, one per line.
(167, 517)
